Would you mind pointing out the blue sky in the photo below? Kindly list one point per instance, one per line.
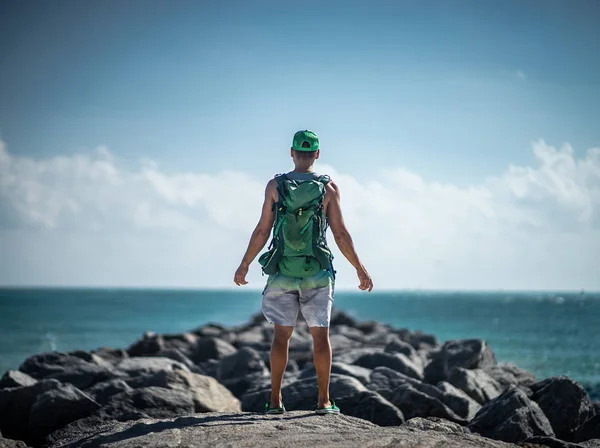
(454, 91)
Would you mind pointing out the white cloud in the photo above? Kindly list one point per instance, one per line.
(86, 219)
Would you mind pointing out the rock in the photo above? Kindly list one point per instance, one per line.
(10, 443)
(420, 340)
(208, 395)
(341, 318)
(15, 378)
(253, 382)
(464, 353)
(56, 408)
(362, 374)
(210, 330)
(475, 383)
(209, 367)
(111, 355)
(370, 327)
(511, 417)
(350, 332)
(379, 338)
(293, 429)
(149, 344)
(589, 430)
(302, 394)
(243, 362)
(155, 402)
(396, 361)
(143, 366)
(15, 405)
(80, 369)
(291, 367)
(396, 345)
(211, 348)
(433, 424)
(385, 381)
(371, 406)
(549, 442)
(101, 392)
(184, 343)
(350, 356)
(457, 400)
(565, 403)
(175, 355)
(341, 343)
(253, 336)
(509, 374)
(415, 403)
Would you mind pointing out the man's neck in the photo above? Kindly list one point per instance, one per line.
(309, 169)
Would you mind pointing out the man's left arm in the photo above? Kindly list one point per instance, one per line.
(260, 235)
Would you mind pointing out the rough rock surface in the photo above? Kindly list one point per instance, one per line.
(15, 406)
(294, 429)
(565, 403)
(475, 383)
(57, 408)
(511, 417)
(15, 378)
(589, 430)
(464, 353)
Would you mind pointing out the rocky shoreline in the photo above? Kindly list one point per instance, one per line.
(207, 387)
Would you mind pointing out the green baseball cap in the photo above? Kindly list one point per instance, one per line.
(305, 141)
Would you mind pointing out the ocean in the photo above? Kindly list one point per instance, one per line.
(546, 333)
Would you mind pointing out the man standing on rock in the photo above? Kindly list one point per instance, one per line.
(298, 207)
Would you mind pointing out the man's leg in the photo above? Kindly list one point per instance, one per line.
(279, 360)
(322, 359)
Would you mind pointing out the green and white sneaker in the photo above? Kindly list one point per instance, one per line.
(270, 410)
(332, 409)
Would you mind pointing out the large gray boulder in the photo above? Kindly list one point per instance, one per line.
(81, 369)
(458, 400)
(463, 353)
(397, 345)
(149, 344)
(415, 403)
(56, 408)
(101, 392)
(418, 424)
(362, 374)
(244, 362)
(351, 395)
(156, 402)
(477, 384)
(211, 348)
(395, 361)
(565, 403)
(588, 430)
(510, 375)
(511, 417)
(15, 378)
(15, 405)
(293, 429)
(207, 393)
(449, 405)
(149, 365)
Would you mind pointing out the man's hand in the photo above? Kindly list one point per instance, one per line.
(240, 275)
(365, 279)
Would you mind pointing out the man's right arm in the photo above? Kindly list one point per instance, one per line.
(342, 236)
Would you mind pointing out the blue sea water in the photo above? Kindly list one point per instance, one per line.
(545, 333)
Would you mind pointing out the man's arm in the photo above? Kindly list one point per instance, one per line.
(342, 236)
(260, 235)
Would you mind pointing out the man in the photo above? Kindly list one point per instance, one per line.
(299, 206)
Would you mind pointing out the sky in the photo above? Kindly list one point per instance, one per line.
(136, 138)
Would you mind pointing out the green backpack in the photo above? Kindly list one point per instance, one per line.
(298, 247)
